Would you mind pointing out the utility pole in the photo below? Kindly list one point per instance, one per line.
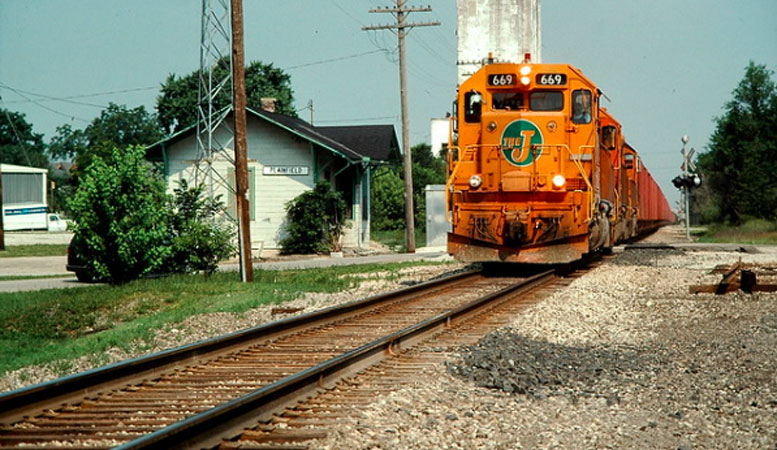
(401, 28)
(2, 213)
(687, 167)
(241, 164)
(310, 105)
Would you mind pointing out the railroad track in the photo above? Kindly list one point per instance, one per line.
(204, 394)
(299, 426)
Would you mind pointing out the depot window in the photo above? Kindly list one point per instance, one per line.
(546, 101)
(510, 101)
(581, 106)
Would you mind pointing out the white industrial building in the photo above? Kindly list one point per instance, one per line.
(507, 29)
(24, 197)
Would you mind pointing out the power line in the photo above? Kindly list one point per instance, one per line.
(341, 58)
(70, 116)
(345, 11)
(48, 97)
(97, 94)
(18, 138)
(432, 51)
(361, 119)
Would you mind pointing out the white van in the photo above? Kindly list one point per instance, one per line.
(32, 216)
(56, 223)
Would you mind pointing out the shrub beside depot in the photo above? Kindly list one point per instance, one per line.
(119, 217)
(315, 221)
(126, 226)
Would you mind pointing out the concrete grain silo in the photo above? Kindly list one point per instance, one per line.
(506, 28)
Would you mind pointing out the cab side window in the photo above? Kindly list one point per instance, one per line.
(628, 161)
(581, 106)
(473, 105)
(608, 137)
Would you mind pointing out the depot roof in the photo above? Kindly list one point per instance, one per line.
(371, 143)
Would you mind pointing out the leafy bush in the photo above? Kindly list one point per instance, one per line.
(315, 221)
(388, 200)
(120, 218)
(198, 239)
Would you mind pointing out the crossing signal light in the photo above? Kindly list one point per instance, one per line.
(689, 181)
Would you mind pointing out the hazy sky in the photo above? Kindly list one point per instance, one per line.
(667, 65)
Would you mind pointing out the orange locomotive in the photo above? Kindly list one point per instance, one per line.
(539, 172)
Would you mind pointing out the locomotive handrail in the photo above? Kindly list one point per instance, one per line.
(449, 181)
(581, 148)
(576, 162)
(468, 150)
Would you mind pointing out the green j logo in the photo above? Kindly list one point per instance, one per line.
(517, 139)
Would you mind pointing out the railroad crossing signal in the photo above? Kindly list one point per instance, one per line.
(689, 179)
(688, 165)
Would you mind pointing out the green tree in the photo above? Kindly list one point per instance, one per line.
(387, 198)
(198, 239)
(67, 143)
(177, 104)
(427, 169)
(120, 216)
(18, 143)
(388, 190)
(315, 221)
(116, 127)
(740, 166)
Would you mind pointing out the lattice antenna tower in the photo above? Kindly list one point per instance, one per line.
(215, 136)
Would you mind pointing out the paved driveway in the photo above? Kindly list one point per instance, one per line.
(55, 265)
(37, 237)
(33, 265)
(40, 283)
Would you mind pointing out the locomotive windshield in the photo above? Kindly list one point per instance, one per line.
(546, 101)
(507, 100)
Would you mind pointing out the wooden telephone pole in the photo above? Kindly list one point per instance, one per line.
(241, 163)
(2, 232)
(400, 12)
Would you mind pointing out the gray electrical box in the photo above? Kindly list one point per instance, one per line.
(437, 226)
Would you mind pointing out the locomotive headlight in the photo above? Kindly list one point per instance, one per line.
(525, 70)
(475, 181)
(559, 181)
(525, 81)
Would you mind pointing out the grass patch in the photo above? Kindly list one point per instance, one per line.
(64, 324)
(34, 277)
(395, 239)
(754, 231)
(12, 251)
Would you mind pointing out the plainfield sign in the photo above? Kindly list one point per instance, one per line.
(286, 170)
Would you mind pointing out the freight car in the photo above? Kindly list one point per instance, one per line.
(539, 172)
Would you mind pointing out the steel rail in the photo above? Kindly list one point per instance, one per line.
(18, 404)
(209, 428)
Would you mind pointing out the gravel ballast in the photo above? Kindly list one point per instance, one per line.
(624, 357)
